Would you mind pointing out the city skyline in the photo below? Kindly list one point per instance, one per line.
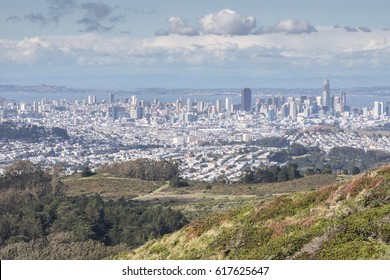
(112, 44)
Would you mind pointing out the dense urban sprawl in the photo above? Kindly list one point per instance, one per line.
(209, 140)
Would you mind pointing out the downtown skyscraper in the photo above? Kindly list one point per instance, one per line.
(246, 99)
(326, 95)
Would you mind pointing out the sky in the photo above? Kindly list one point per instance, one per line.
(194, 44)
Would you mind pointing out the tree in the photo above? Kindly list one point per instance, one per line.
(344, 172)
(309, 172)
(283, 174)
(355, 170)
(177, 182)
(86, 172)
(293, 172)
(297, 150)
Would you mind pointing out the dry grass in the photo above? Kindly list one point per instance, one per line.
(109, 187)
(195, 201)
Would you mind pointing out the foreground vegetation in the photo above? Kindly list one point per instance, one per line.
(37, 219)
(321, 216)
(349, 220)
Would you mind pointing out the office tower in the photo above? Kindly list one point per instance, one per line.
(35, 107)
(178, 105)
(246, 99)
(200, 106)
(271, 115)
(377, 111)
(319, 100)
(229, 104)
(111, 98)
(343, 101)
(293, 110)
(137, 113)
(189, 105)
(326, 95)
(332, 102)
(218, 105)
(337, 105)
(284, 110)
(134, 100)
(91, 99)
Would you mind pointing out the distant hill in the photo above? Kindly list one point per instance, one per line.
(343, 221)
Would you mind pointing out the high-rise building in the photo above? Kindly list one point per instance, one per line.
(343, 101)
(111, 98)
(229, 104)
(293, 110)
(378, 109)
(200, 106)
(326, 95)
(218, 106)
(134, 100)
(189, 105)
(246, 99)
(137, 113)
(91, 99)
(178, 105)
(337, 105)
(35, 107)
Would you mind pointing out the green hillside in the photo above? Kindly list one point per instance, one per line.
(348, 220)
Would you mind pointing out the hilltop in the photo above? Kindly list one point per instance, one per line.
(349, 220)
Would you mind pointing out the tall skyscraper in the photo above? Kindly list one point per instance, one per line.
(218, 106)
(326, 94)
(378, 109)
(343, 101)
(111, 98)
(246, 99)
(91, 99)
(229, 104)
(293, 110)
(189, 105)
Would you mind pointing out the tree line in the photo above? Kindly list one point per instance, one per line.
(271, 174)
(144, 169)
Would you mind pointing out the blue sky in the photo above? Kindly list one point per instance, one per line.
(197, 44)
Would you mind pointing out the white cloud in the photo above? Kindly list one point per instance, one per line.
(178, 26)
(327, 49)
(294, 26)
(227, 22)
(288, 26)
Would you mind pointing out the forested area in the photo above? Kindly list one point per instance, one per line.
(271, 174)
(144, 169)
(31, 133)
(38, 221)
(338, 159)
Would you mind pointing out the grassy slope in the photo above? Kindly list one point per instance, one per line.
(348, 220)
(195, 201)
(108, 186)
